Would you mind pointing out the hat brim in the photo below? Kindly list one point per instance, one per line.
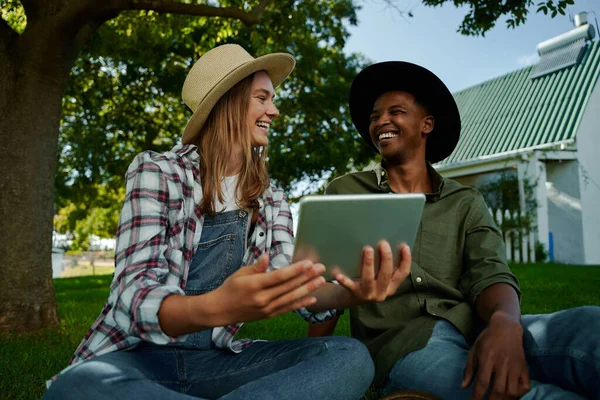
(277, 65)
(427, 88)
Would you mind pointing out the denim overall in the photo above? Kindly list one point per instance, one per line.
(219, 254)
(335, 368)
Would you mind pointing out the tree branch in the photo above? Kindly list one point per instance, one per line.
(83, 17)
(260, 8)
(84, 34)
(7, 34)
(173, 7)
(31, 7)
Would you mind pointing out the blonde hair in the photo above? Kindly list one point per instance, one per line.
(226, 125)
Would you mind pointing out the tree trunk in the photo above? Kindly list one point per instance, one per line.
(34, 72)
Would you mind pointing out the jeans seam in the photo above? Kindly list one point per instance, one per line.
(239, 371)
(564, 352)
(181, 375)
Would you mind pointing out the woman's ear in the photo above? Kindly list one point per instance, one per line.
(427, 125)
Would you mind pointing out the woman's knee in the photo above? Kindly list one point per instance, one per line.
(80, 381)
(89, 380)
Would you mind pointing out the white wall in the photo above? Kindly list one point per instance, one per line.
(478, 180)
(533, 170)
(564, 211)
(57, 262)
(588, 154)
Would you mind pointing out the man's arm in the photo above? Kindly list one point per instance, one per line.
(496, 361)
(499, 299)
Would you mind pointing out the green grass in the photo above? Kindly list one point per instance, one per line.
(28, 359)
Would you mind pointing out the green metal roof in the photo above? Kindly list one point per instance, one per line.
(514, 112)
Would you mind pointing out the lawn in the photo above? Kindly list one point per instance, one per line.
(28, 359)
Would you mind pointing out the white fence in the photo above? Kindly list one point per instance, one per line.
(520, 245)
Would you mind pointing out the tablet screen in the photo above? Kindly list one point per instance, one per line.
(334, 229)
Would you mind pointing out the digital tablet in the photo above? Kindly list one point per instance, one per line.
(334, 229)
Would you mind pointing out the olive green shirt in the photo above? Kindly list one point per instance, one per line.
(458, 252)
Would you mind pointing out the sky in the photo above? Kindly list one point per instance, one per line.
(430, 39)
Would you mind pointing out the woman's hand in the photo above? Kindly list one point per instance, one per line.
(251, 294)
(377, 287)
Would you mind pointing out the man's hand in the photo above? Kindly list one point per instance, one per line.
(251, 294)
(498, 361)
(377, 287)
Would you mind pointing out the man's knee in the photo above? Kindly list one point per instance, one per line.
(437, 368)
(353, 360)
(563, 328)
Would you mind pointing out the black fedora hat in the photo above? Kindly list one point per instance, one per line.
(428, 90)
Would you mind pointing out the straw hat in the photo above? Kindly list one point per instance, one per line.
(387, 76)
(219, 70)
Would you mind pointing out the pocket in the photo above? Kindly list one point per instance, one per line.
(440, 250)
(211, 264)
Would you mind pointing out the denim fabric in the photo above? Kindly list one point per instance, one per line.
(310, 368)
(218, 255)
(562, 351)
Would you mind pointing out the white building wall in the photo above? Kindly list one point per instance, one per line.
(534, 171)
(478, 180)
(57, 262)
(588, 155)
(564, 211)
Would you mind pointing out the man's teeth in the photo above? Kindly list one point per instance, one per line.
(262, 125)
(387, 135)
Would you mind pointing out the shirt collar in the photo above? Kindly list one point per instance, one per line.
(188, 150)
(437, 181)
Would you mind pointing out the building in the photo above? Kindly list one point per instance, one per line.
(542, 124)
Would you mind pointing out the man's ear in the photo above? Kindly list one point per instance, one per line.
(427, 125)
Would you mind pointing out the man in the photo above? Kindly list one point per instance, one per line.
(454, 328)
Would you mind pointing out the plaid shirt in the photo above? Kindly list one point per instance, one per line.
(159, 229)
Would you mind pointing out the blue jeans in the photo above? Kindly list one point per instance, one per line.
(562, 351)
(311, 368)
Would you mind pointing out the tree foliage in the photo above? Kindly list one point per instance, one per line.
(127, 59)
(483, 14)
(124, 94)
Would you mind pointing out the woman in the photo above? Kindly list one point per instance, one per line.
(191, 218)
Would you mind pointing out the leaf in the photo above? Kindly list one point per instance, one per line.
(13, 13)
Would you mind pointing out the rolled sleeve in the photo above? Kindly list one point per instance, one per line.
(282, 238)
(147, 266)
(484, 262)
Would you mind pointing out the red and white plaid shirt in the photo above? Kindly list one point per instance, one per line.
(159, 229)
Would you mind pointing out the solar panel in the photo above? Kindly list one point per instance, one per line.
(563, 57)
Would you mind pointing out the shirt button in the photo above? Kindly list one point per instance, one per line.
(261, 234)
(242, 214)
(418, 279)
